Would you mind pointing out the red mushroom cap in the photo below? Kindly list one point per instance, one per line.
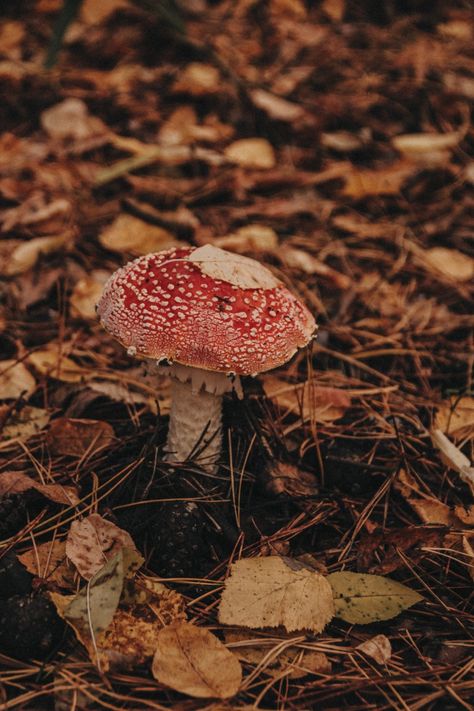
(187, 305)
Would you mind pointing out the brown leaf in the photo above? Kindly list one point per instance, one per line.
(320, 403)
(92, 541)
(428, 148)
(16, 482)
(381, 181)
(455, 417)
(379, 551)
(25, 423)
(27, 254)
(51, 361)
(449, 262)
(130, 234)
(299, 259)
(77, 437)
(278, 108)
(251, 153)
(86, 294)
(453, 457)
(15, 380)
(71, 120)
(193, 661)
(249, 238)
(198, 79)
(378, 648)
(49, 562)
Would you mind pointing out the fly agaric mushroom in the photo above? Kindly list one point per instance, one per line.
(209, 316)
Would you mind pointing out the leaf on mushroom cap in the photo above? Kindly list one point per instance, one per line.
(205, 308)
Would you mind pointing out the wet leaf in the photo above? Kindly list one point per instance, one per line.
(16, 482)
(251, 153)
(361, 598)
(193, 661)
(273, 592)
(92, 541)
(78, 437)
(15, 380)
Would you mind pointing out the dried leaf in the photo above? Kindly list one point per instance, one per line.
(26, 254)
(16, 482)
(94, 13)
(250, 238)
(92, 541)
(49, 562)
(235, 269)
(198, 79)
(278, 108)
(129, 234)
(310, 401)
(71, 120)
(381, 181)
(361, 599)
(52, 362)
(449, 262)
(455, 417)
(15, 380)
(193, 661)
(274, 591)
(26, 423)
(378, 648)
(429, 148)
(251, 153)
(299, 259)
(453, 457)
(78, 437)
(129, 640)
(86, 294)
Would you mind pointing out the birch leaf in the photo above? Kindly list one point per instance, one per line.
(361, 598)
(193, 661)
(274, 591)
(233, 268)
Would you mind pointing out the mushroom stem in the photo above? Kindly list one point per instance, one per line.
(195, 428)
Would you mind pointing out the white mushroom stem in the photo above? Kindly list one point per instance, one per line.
(195, 428)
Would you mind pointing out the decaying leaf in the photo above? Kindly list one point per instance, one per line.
(92, 541)
(193, 661)
(378, 648)
(251, 153)
(379, 550)
(249, 238)
(91, 611)
(132, 235)
(49, 561)
(273, 592)
(16, 482)
(235, 269)
(361, 598)
(78, 437)
(51, 361)
(15, 380)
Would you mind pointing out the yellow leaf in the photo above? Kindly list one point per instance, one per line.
(50, 361)
(193, 661)
(129, 234)
(274, 591)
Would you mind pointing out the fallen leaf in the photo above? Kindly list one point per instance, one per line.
(379, 550)
(251, 153)
(25, 423)
(46, 216)
(178, 128)
(381, 181)
(129, 640)
(449, 262)
(274, 591)
(70, 119)
(234, 269)
(429, 509)
(52, 362)
(15, 380)
(310, 401)
(193, 661)
(299, 259)
(27, 254)
(94, 13)
(92, 541)
(428, 148)
(130, 234)
(16, 482)
(455, 417)
(361, 598)
(12, 34)
(86, 294)
(48, 561)
(453, 457)
(465, 514)
(250, 238)
(285, 478)
(278, 108)
(378, 648)
(334, 9)
(198, 79)
(77, 437)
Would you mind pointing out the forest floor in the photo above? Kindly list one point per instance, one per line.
(332, 141)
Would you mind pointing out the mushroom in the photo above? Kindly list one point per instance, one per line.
(206, 316)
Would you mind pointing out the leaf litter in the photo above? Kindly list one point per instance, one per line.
(331, 142)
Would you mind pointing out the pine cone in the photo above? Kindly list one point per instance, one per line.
(29, 626)
(178, 539)
(14, 578)
(13, 515)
